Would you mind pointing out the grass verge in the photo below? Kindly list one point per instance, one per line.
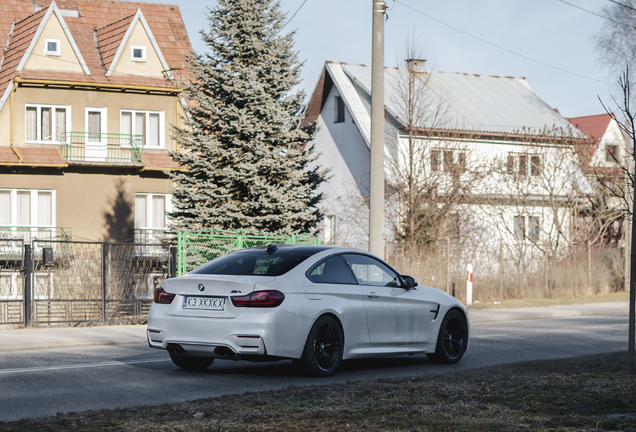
(590, 393)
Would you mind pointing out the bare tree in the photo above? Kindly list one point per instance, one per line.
(430, 170)
(616, 41)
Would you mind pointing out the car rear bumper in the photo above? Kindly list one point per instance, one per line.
(271, 332)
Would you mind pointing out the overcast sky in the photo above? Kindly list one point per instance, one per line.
(548, 31)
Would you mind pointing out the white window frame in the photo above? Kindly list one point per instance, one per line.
(38, 122)
(528, 227)
(162, 126)
(57, 52)
(34, 206)
(143, 53)
(149, 209)
(103, 119)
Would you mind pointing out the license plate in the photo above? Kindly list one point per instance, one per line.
(206, 303)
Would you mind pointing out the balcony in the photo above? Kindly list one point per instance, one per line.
(87, 148)
(151, 235)
(13, 237)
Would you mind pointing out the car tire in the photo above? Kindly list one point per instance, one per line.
(189, 362)
(452, 339)
(323, 350)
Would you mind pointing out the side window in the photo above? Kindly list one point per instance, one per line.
(332, 270)
(369, 271)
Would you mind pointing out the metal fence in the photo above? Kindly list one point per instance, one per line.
(102, 147)
(11, 281)
(50, 282)
(195, 248)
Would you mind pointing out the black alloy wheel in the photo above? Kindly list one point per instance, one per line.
(189, 362)
(452, 339)
(323, 349)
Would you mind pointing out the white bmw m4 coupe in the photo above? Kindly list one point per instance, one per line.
(316, 305)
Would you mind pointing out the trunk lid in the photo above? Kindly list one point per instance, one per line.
(215, 288)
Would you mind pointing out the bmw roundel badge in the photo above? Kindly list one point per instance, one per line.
(201, 287)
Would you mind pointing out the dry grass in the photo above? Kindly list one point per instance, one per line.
(495, 279)
(581, 394)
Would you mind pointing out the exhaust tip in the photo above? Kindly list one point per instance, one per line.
(223, 351)
(175, 348)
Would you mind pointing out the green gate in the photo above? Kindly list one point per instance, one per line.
(195, 248)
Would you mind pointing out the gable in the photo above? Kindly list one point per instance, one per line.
(67, 59)
(140, 37)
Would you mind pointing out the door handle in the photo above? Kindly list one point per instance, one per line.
(372, 295)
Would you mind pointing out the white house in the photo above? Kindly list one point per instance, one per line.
(465, 124)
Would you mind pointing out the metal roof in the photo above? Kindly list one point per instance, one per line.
(476, 103)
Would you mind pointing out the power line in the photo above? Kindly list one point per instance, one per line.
(292, 17)
(499, 46)
(588, 11)
(622, 4)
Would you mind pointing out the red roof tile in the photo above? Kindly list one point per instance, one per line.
(20, 39)
(7, 155)
(593, 127)
(159, 160)
(40, 155)
(110, 38)
(108, 19)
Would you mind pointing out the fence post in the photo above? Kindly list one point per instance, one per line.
(172, 268)
(28, 272)
(501, 270)
(447, 265)
(104, 254)
(589, 265)
(546, 266)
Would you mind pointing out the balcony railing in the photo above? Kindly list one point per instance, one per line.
(106, 148)
(27, 234)
(151, 235)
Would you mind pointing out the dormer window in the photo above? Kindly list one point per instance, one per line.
(52, 47)
(138, 53)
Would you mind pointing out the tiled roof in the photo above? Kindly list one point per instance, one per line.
(108, 19)
(40, 155)
(110, 37)
(7, 155)
(159, 160)
(21, 37)
(593, 127)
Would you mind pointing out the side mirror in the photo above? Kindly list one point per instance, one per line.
(411, 282)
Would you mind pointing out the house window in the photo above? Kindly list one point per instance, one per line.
(510, 164)
(520, 227)
(151, 210)
(27, 207)
(453, 161)
(535, 165)
(435, 160)
(611, 153)
(533, 228)
(340, 110)
(523, 165)
(46, 123)
(148, 124)
(138, 53)
(52, 47)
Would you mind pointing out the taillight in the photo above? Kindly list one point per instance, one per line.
(262, 299)
(163, 297)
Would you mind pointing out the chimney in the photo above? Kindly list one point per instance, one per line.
(416, 65)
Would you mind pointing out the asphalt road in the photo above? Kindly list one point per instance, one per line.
(37, 383)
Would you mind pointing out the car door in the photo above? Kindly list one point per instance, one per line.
(333, 284)
(395, 315)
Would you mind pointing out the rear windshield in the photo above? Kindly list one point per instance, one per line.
(252, 263)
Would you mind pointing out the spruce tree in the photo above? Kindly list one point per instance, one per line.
(248, 164)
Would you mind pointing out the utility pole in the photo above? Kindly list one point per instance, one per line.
(376, 174)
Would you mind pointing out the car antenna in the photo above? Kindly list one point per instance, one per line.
(272, 248)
